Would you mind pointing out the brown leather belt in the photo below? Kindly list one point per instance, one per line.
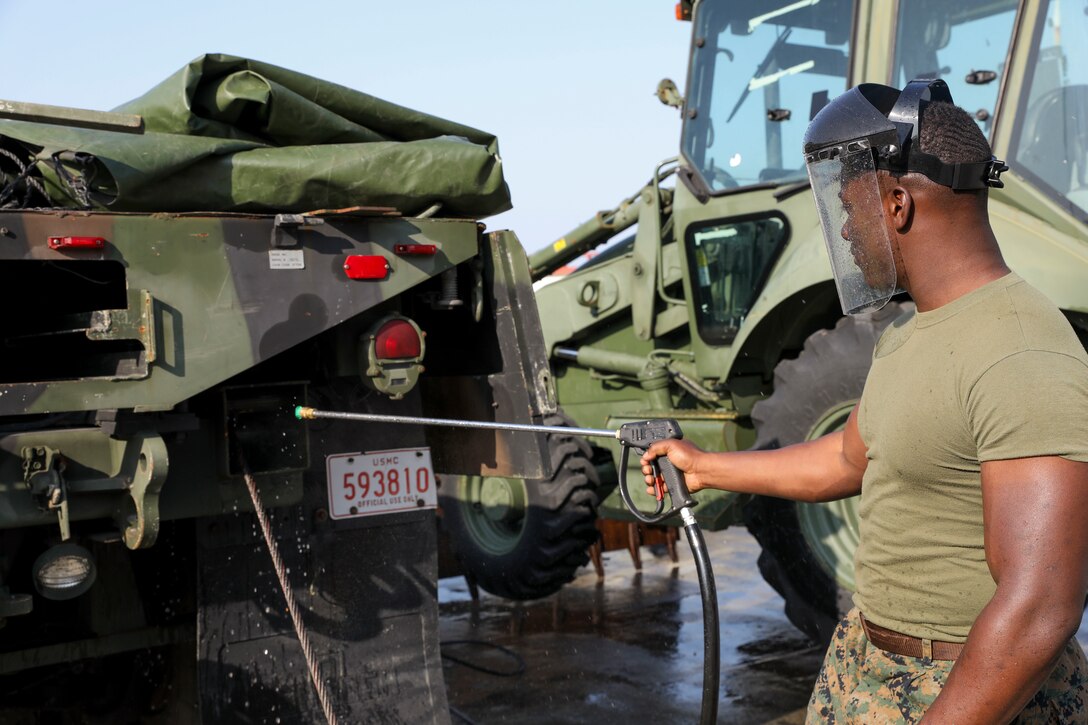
(903, 644)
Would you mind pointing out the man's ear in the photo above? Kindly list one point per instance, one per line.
(900, 208)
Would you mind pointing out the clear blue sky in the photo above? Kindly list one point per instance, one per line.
(566, 86)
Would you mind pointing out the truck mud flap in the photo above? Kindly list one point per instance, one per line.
(522, 391)
(366, 590)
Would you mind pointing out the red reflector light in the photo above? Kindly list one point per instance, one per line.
(366, 266)
(683, 11)
(420, 249)
(76, 242)
(396, 340)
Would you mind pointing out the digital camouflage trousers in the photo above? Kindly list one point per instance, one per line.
(861, 683)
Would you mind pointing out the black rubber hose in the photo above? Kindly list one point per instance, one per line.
(707, 589)
(711, 644)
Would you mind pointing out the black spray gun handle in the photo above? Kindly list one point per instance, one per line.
(640, 436)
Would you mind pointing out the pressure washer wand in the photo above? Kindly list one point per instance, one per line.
(639, 435)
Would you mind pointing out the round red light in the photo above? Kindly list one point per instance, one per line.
(396, 340)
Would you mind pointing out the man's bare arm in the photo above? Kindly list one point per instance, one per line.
(824, 469)
(1037, 549)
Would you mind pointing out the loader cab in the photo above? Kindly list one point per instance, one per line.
(763, 314)
(758, 73)
(755, 350)
(1048, 137)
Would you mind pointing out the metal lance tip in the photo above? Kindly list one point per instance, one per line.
(303, 413)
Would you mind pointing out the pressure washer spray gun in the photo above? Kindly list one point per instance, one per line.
(669, 479)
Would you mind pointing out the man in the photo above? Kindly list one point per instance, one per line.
(969, 446)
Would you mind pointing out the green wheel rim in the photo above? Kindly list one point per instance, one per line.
(494, 510)
(831, 529)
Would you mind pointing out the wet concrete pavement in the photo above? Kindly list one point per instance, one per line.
(630, 648)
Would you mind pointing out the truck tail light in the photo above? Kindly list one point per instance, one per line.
(366, 266)
(64, 571)
(426, 250)
(76, 242)
(391, 355)
(397, 340)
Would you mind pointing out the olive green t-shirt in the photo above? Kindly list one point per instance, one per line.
(994, 375)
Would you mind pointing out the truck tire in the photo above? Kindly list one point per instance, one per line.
(525, 539)
(808, 549)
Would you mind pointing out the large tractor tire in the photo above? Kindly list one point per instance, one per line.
(808, 549)
(526, 539)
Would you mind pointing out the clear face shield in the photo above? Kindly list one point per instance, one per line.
(844, 182)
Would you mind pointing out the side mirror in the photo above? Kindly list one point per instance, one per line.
(669, 94)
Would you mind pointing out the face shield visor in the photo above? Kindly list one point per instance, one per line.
(848, 199)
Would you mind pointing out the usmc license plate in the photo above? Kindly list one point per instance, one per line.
(380, 482)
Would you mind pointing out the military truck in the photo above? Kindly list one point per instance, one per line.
(721, 312)
(179, 274)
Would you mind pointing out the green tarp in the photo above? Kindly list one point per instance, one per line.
(232, 134)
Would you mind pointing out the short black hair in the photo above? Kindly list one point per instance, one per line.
(951, 134)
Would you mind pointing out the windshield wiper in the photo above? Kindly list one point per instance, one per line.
(775, 77)
(760, 70)
(760, 19)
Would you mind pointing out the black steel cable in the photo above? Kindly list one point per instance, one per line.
(32, 184)
(519, 662)
(288, 595)
(77, 185)
(461, 716)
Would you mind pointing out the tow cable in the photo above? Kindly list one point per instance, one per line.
(288, 594)
(639, 436)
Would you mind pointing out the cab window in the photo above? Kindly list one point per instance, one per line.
(1050, 138)
(965, 43)
(729, 262)
(759, 71)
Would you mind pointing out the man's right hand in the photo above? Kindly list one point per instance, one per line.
(683, 454)
(825, 469)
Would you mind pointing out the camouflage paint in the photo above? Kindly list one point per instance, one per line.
(218, 307)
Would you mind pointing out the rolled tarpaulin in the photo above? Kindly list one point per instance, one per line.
(232, 134)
